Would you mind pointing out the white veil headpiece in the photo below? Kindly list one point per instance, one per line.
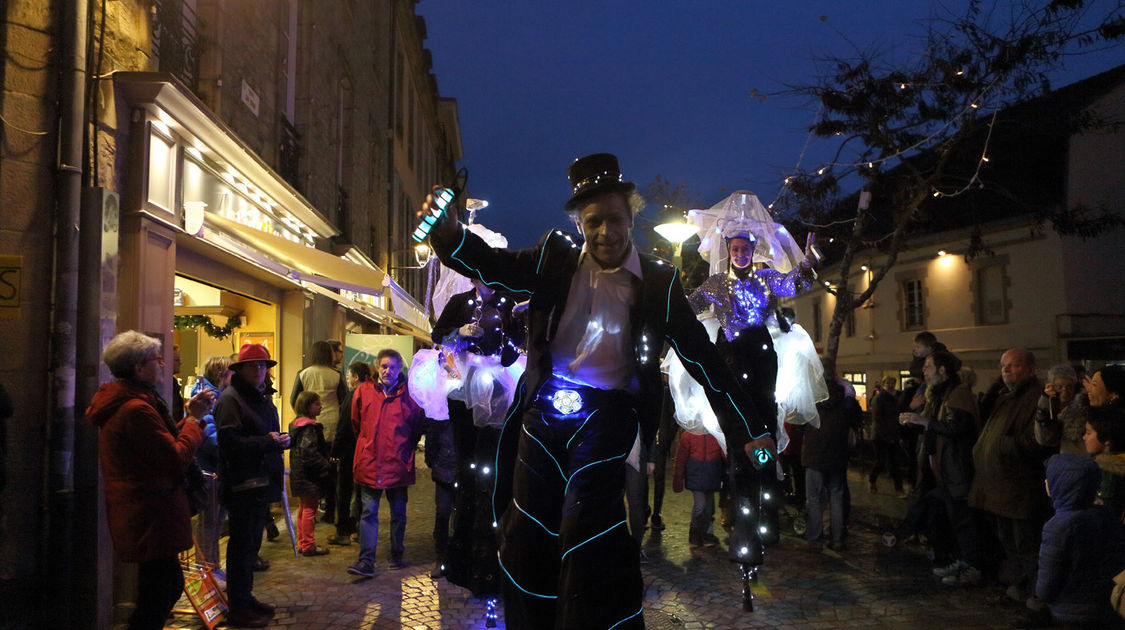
(741, 214)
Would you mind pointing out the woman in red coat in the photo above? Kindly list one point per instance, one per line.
(144, 455)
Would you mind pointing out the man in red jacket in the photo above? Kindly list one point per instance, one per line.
(388, 424)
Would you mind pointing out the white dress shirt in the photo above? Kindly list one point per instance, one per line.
(594, 341)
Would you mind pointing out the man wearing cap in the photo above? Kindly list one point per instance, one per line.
(251, 470)
(598, 317)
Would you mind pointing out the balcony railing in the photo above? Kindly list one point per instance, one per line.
(175, 36)
(343, 220)
(289, 154)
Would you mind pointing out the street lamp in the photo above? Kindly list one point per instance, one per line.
(422, 256)
(673, 227)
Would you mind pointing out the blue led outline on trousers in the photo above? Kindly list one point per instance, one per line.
(500, 561)
(580, 428)
(639, 611)
(476, 271)
(528, 514)
(499, 441)
(609, 529)
(600, 461)
(528, 434)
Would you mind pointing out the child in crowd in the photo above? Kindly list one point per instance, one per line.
(699, 468)
(1105, 440)
(310, 473)
(1083, 548)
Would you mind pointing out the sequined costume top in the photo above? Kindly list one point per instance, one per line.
(743, 302)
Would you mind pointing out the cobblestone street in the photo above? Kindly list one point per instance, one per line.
(867, 586)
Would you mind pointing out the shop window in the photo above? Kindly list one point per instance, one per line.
(161, 169)
(858, 381)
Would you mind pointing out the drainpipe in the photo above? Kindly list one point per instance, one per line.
(57, 546)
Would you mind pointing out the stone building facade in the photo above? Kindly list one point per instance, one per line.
(257, 160)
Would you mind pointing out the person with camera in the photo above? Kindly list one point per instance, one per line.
(251, 472)
(145, 455)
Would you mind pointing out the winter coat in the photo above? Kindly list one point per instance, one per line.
(310, 472)
(143, 462)
(208, 454)
(1007, 461)
(1065, 430)
(1111, 490)
(441, 454)
(388, 425)
(249, 458)
(343, 441)
(885, 415)
(826, 448)
(331, 386)
(699, 463)
(1083, 546)
(950, 437)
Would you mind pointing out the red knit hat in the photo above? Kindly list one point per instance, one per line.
(253, 352)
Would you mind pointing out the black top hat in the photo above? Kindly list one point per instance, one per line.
(594, 174)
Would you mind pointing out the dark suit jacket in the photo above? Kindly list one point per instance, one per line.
(503, 332)
(543, 274)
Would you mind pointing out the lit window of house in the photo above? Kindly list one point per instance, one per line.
(913, 304)
(990, 300)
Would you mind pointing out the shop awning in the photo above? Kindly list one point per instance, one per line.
(325, 271)
(305, 263)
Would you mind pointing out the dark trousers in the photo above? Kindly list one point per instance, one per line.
(636, 497)
(887, 457)
(1020, 539)
(345, 489)
(443, 507)
(470, 560)
(159, 584)
(566, 554)
(246, 517)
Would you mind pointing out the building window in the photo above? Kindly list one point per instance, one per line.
(849, 324)
(914, 309)
(817, 323)
(992, 305)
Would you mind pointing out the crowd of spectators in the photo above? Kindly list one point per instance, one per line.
(1020, 486)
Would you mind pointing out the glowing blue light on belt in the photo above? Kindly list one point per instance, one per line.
(567, 401)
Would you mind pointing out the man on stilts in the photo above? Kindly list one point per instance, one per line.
(598, 317)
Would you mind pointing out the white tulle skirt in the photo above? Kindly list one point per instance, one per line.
(800, 385)
(485, 386)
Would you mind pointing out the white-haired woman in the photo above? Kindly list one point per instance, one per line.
(144, 456)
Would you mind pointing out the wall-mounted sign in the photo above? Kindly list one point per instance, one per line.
(249, 97)
(11, 268)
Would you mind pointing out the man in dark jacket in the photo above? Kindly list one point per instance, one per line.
(251, 472)
(950, 420)
(1008, 465)
(887, 451)
(597, 319)
(824, 454)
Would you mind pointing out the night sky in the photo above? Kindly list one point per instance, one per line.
(667, 86)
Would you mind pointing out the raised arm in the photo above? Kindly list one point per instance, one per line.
(466, 253)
